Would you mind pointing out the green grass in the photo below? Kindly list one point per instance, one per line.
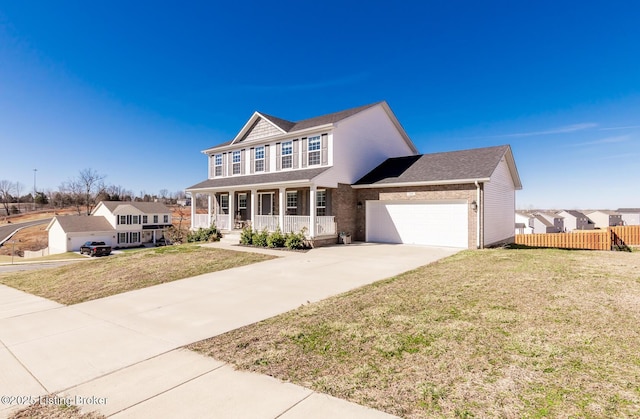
(102, 277)
(494, 333)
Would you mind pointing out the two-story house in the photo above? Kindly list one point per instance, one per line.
(357, 171)
(575, 220)
(117, 223)
(605, 218)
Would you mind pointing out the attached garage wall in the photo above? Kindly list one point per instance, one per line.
(433, 223)
(499, 206)
(75, 240)
(462, 193)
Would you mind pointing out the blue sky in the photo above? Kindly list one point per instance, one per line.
(135, 90)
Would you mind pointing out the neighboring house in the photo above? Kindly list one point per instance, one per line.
(630, 216)
(357, 171)
(605, 218)
(118, 224)
(575, 220)
(556, 221)
(543, 224)
(524, 222)
(135, 222)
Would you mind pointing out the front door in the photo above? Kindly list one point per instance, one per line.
(265, 204)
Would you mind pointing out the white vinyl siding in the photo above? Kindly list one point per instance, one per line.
(499, 205)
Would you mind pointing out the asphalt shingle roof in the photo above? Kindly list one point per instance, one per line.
(82, 223)
(286, 176)
(476, 163)
(146, 207)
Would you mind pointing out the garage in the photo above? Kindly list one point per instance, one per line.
(432, 223)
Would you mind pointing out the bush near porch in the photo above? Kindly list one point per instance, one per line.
(276, 239)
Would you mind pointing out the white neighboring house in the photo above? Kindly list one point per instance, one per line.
(630, 216)
(605, 218)
(523, 223)
(118, 224)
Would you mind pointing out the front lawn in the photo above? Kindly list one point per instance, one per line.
(102, 277)
(493, 333)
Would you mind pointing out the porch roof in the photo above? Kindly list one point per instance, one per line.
(266, 179)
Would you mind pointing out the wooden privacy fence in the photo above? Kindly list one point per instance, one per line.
(613, 237)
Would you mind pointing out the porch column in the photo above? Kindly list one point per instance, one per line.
(312, 211)
(232, 210)
(209, 209)
(252, 215)
(281, 207)
(193, 211)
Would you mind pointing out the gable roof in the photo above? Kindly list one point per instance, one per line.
(81, 223)
(289, 127)
(629, 210)
(448, 167)
(543, 220)
(573, 213)
(145, 207)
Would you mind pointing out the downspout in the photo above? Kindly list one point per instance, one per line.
(477, 215)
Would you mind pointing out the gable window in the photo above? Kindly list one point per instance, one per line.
(314, 150)
(236, 162)
(292, 203)
(259, 163)
(321, 202)
(287, 155)
(218, 165)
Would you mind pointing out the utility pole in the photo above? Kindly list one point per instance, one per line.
(34, 188)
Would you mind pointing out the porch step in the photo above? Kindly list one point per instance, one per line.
(231, 237)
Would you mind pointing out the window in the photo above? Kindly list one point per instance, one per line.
(292, 203)
(155, 219)
(242, 201)
(259, 159)
(236, 162)
(122, 237)
(224, 204)
(130, 237)
(166, 219)
(287, 155)
(144, 219)
(123, 219)
(314, 150)
(135, 219)
(321, 202)
(218, 164)
(135, 237)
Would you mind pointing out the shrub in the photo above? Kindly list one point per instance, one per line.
(259, 238)
(276, 239)
(210, 234)
(295, 241)
(246, 237)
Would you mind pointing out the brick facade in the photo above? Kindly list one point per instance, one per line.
(350, 204)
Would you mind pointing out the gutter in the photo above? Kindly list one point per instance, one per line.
(478, 214)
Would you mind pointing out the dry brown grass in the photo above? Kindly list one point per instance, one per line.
(101, 277)
(29, 238)
(495, 333)
(53, 411)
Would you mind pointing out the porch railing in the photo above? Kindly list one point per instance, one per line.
(270, 222)
(295, 223)
(222, 221)
(201, 221)
(325, 225)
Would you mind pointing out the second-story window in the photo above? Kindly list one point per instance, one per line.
(259, 159)
(236, 162)
(314, 150)
(144, 219)
(155, 219)
(287, 155)
(218, 165)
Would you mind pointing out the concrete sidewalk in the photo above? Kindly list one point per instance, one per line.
(125, 348)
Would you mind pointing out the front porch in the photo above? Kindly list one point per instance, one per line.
(290, 210)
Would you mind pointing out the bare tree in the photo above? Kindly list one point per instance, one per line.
(6, 189)
(18, 187)
(164, 193)
(73, 190)
(93, 186)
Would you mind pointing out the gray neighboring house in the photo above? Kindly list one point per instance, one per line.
(605, 218)
(630, 216)
(575, 220)
(555, 222)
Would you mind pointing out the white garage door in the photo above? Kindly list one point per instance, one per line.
(433, 223)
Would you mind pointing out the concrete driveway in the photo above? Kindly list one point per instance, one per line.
(125, 348)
